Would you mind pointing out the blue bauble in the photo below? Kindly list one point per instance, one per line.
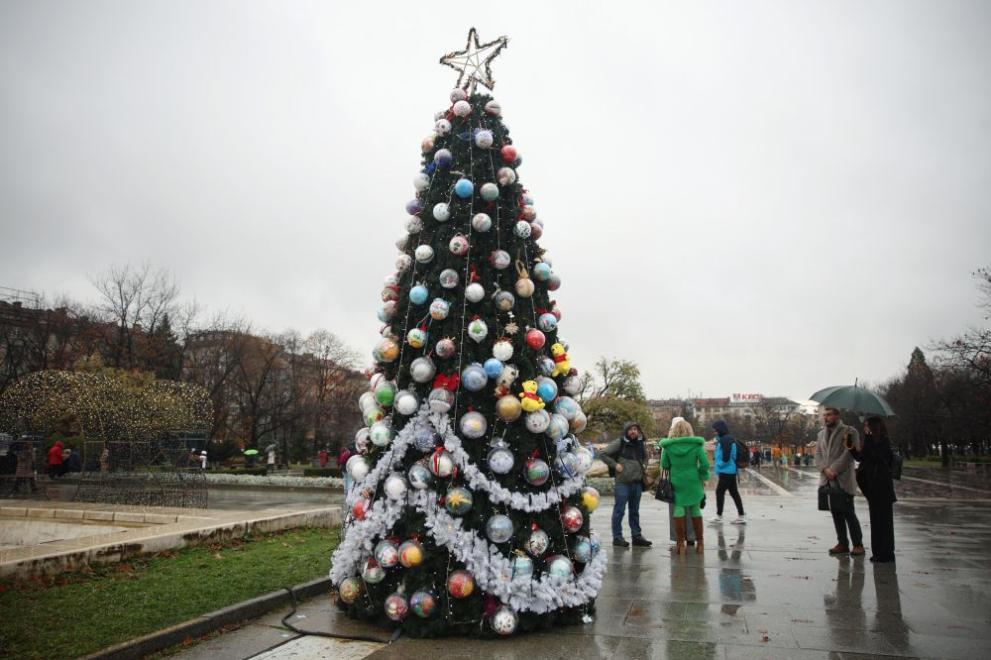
(414, 206)
(430, 168)
(541, 272)
(546, 389)
(547, 322)
(493, 368)
(473, 377)
(418, 294)
(582, 550)
(464, 188)
(443, 158)
(522, 566)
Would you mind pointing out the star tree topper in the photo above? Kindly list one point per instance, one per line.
(473, 63)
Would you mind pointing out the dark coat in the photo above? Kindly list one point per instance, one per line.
(631, 454)
(874, 472)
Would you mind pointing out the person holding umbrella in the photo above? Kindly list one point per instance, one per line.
(875, 481)
(835, 464)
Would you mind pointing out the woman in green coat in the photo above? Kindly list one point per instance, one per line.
(683, 455)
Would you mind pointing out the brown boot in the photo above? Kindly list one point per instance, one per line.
(679, 534)
(699, 529)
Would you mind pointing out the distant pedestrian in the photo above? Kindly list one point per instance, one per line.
(55, 460)
(725, 458)
(323, 457)
(270, 462)
(203, 460)
(105, 459)
(835, 466)
(342, 461)
(875, 480)
(625, 456)
(683, 454)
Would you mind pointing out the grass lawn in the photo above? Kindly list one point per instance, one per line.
(78, 613)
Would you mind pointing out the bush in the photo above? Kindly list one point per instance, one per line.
(257, 471)
(322, 472)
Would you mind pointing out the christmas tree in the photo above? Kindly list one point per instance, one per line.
(469, 512)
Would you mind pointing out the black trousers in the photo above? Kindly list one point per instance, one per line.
(882, 530)
(728, 482)
(849, 519)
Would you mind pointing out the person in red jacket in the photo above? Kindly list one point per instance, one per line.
(324, 457)
(55, 459)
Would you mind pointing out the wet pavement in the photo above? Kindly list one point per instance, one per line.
(764, 590)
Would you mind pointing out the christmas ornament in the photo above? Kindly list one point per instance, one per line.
(411, 553)
(424, 254)
(380, 434)
(350, 589)
(524, 285)
(448, 278)
(590, 498)
(414, 225)
(493, 108)
(522, 229)
(478, 330)
(473, 425)
(474, 63)
(508, 408)
(387, 311)
(390, 293)
(500, 259)
(572, 385)
(546, 389)
(386, 351)
(458, 501)
(474, 292)
(504, 621)
(566, 407)
(464, 188)
(593, 540)
(473, 377)
(572, 519)
(386, 554)
(414, 206)
(530, 400)
(442, 212)
(366, 401)
(537, 472)
(442, 159)
(553, 282)
(529, 213)
(396, 607)
(423, 603)
(401, 242)
(508, 154)
(419, 476)
(558, 428)
(506, 380)
(372, 573)
(416, 337)
(547, 322)
(418, 294)
(445, 348)
(538, 542)
(357, 467)
(422, 369)
(442, 127)
(489, 192)
(579, 423)
(492, 367)
(541, 271)
(458, 245)
(481, 222)
(582, 550)
(535, 339)
(403, 262)
(460, 584)
(427, 145)
(545, 365)
(483, 138)
(441, 464)
(361, 440)
(406, 402)
(425, 438)
(502, 350)
(394, 486)
(458, 94)
(561, 363)
(536, 231)
(506, 176)
(421, 181)
(585, 458)
(522, 566)
(500, 459)
(462, 108)
(503, 301)
(440, 400)
(439, 309)
(374, 414)
(499, 528)
(560, 567)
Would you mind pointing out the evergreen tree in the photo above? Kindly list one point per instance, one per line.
(469, 513)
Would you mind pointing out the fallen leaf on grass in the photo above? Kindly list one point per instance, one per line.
(217, 555)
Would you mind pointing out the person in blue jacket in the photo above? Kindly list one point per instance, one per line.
(725, 455)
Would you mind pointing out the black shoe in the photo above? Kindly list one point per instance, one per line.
(690, 542)
(621, 543)
(641, 542)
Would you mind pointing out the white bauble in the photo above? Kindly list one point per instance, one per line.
(357, 467)
(481, 222)
(493, 108)
(500, 459)
(474, 292)
(406, 402)
(442, 212)
(585, 458)
(579, 423)
(473, 425)
(414, 225)
(506, 176)
(458, 94)
(380, 434)
(462, 108)
(505, 621)
(489, 191)
(424, 253)
(502, 350)
(448, 278)
(522, 229)
(499, 528)
(366, 401)
(401, 242)
(395, 486)
(538, 421)
(403, 262)
(478, 330)
(558, 427)
(573, 385)
(500, 259)
(440, 464)
(483, 138)
(442, 127)
(421, 181)
(422, 369)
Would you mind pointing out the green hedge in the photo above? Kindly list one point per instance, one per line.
(322, 472)
(258, 471)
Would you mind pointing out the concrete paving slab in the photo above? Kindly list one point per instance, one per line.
(320, 648)
(243, 644)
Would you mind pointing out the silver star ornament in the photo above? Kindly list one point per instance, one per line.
(473, 63)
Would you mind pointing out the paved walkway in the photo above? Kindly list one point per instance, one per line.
(767, 590)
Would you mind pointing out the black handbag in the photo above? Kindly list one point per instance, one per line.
(833, 498)
(664, 489)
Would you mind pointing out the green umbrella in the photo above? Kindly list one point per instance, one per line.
(854, 398)
(250, 452)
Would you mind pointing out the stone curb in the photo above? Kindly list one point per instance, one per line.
(139, 647)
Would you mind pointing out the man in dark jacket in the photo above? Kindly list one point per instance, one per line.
(725, 459)
(626, 456)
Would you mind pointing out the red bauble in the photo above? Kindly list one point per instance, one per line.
(360, 508)
(536, 231)
(460, 584)
(572, 518)
(508, 153)
(535, 339)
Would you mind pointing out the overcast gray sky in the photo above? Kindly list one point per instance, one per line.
(742, 197)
